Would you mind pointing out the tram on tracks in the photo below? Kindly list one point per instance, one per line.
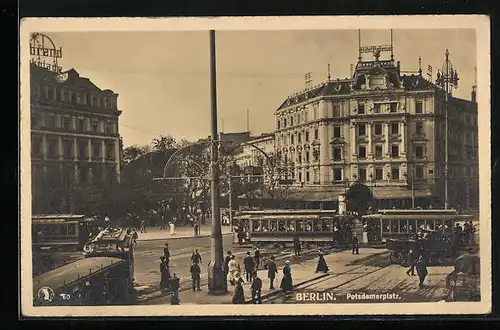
(405, 224)
(61, 231)
(282, 226)
(92, 281)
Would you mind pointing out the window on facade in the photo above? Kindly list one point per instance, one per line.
(393, 107)
(395, 173)
(378, 129)
(64, 94)
(278, 123)
(379, 173)
(337, 174)
(82, 125)
(308, 176)
(376, 108)
(110, 151)
(316, 134)
(378, 151)
(67, 122)
(96, 149)
(50, 120)
(83, 149)
(361, 108)
(284, 122)
(300, 176)
(95, 126)
(307, 136)
(468, 171)
(108, 127)
(395, 151)
(361, 130)
(336, 131)
(419, 127)
(336, 110)
(68, 148)
(36, 146)
(49, 93)
(337, 153)
(394, 128)
(307, 156)
(419, 172)
(362, 152)
(418, 107)
(299, 138)
(299, 157)
(362, 174)
(292, 139)
(419, 152)
(53, 146)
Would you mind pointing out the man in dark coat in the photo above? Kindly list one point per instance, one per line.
(257, 257)
(286, 282)
(249, 264)
(226, 262)
(166, 254)
(165, 274)
(411, 259)
(256, 288)
(195, 276)
(196, 257)
(355, 244)
(322, 266)
(272, 270)
(296, 245)
(421, 270)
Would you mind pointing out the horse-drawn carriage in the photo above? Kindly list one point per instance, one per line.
(463, 282)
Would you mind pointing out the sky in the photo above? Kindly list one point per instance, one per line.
(162, 78)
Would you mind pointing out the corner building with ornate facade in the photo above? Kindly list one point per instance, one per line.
(385, 130)
(75, 143)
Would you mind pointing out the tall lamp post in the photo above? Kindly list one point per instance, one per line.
(412, 187)
(447, 79)
(216, 278)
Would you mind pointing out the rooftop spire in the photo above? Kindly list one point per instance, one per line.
(420, 65)
(392, 48)
(329, 75)
(359, 45)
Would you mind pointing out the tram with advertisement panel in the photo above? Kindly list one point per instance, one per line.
(405, 224)
(282, 226)
(90, 281)
(61, 231)
(113, 242)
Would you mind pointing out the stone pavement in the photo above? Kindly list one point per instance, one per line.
(302, 273)
(155, 233)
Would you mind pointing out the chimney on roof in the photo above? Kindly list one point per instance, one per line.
(473, 94)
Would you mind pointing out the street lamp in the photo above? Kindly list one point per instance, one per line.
(447, 78)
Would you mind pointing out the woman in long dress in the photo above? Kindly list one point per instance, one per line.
(239, 295)
(286, 282)
(322, 266)
(234, 270)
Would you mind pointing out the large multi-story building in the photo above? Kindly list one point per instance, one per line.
(384, 129)
(253, 152)
(75, 143)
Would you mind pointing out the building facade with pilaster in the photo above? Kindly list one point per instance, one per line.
(383, 129)
(75, 142)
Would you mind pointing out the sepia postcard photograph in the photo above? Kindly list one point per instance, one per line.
(210, 166)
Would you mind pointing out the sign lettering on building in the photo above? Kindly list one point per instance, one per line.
(44, 52)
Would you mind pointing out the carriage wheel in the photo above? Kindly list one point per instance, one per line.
(395, 257)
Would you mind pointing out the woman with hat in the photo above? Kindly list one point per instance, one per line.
(286, 282)
(322, 266)
(239, 295)
(234, 269)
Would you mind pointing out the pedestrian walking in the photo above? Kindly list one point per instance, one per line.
(355, 244)
(166, 253)
(165, 274)
(257, 257)
(162, 221)
(143, 226)
(234, 269)
(286, 282)
(226, 262)
(296, 245)
(256, 289)
(239, 295)
(322, 266)
(196, 228)
(249, 264)
(172, 228)
(196, 257)
(421, 270)
(411, 260)
(272, 270)
(195, 276)
(135, 236)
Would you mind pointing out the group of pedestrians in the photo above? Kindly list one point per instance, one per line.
(251, 266)
(418, 261)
